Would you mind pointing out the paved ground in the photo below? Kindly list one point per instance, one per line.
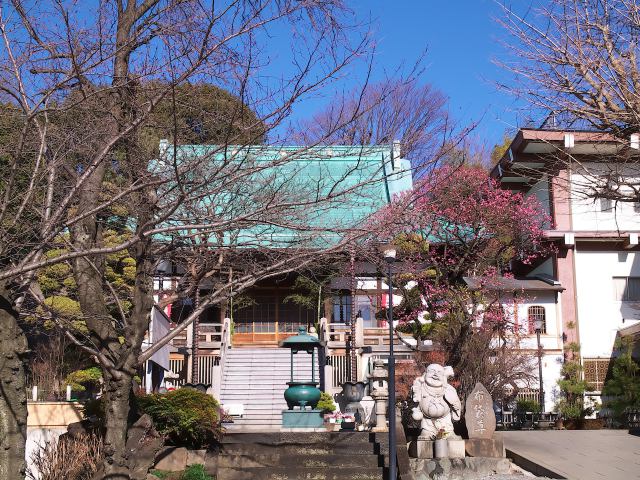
(580, 455)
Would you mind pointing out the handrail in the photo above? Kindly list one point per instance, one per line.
(335, 336)
(225, 340)
(324, 330)
(225, 344)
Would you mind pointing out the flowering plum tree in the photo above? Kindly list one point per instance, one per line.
(457, 224)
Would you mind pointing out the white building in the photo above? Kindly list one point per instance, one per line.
(597, 260)
(525, 301)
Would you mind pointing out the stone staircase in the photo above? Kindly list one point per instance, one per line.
(303, 456)
(256, 378)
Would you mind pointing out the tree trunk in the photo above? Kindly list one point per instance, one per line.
(13, 395)
(116, 398)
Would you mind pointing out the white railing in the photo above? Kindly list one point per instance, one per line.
(205, 368)
(336, 334)
(218, 369)
(176, 366)
(212, 333)
(340, 364)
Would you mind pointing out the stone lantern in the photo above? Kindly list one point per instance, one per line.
(379, 391)
(302, 396)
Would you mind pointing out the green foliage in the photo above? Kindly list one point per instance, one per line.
(500, 149)
(81, 379)
(572, 388)
(204, 114)
(187, 417)
(326, 403)
(60, 288)
(309, 290)
(527, 405)
(624, 385)
(65, 309)
(193, 472)
(196, 472)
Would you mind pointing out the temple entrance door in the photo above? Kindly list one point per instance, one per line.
(268, 319)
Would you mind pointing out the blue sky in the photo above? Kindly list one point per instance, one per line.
(461, 38)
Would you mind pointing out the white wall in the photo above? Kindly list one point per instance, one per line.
(552, 340)
(551, 367)
(585, 211)
(599, 314)
(540, 190)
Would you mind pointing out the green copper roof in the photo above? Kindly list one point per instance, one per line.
(344, 185)
(301, 341)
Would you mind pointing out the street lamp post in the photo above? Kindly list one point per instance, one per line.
(538, 326)
(390, 257)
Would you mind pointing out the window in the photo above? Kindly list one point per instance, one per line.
(606, 205)
(261, 309)
(595, 372)
(626, 289)
(537, 313)
(342, 308)
(366, 308)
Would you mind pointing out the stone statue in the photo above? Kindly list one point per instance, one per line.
(438, 402)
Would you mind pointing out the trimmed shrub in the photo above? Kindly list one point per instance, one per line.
(186, 417)
(528, 406)
(326, 403)
(81, 379)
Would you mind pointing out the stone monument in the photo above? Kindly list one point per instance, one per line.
(480, 420)
(438, 402)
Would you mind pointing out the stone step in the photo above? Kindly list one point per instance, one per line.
(295, 472)
(264, 386)
(301, 439)
(285, 376)
(262, 382)
(251, 398)
(305, 457)
(365, 449)
(277, 404)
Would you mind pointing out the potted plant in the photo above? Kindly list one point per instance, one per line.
(526, 412)
(327, 406)
(441, 444)
(348, 422)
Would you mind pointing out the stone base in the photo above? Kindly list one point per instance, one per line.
(485, 447)
(172, 459)
(456, 448)
(460, 468)
(421, 448)
(302, 419)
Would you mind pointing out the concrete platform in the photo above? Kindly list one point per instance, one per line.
(576, 454)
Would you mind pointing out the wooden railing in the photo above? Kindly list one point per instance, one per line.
(335, 335)
(210, 336)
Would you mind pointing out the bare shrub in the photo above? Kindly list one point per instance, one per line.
(68, 458)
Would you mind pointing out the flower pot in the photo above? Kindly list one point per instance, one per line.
(348, 425)
(353, 391)
(441, 448)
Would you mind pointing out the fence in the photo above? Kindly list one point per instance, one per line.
(340, 364)
(529, 394)
(205, 368)
(177, 367)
